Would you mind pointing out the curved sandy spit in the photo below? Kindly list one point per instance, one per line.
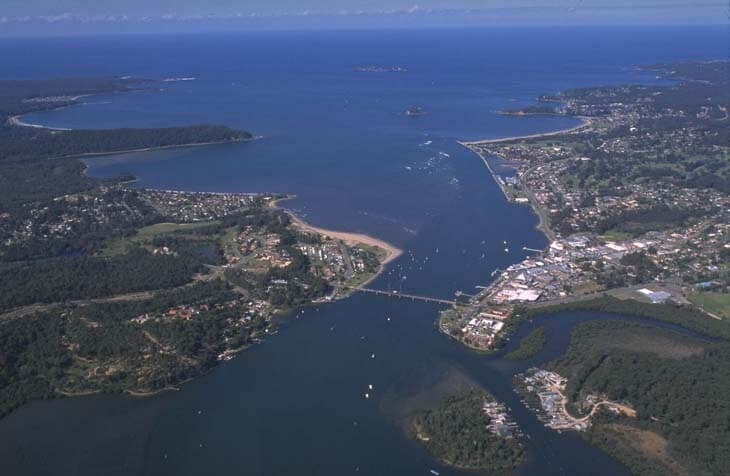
(392, 252)
(586, 122)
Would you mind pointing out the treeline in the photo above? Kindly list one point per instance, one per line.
(456, 433)
(22, 182)
(84, 277)
(530, 345)
(27, 143)
(32, 359)
(38, 353)
(682, 399)
(532, 110)
(29, 95)
(681, 315)
(642, 220)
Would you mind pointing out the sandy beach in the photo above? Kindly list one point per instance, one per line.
(586, 122)
(392, 252)
(18, 121)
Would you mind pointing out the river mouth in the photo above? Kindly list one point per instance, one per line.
(335, 138)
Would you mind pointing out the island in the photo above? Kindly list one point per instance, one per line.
(471, 431)
(414, 111)
(530, 345)
(380, 69)
(110, 288)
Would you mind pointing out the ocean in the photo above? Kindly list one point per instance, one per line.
(338, 139)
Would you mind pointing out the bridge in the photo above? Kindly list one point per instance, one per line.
(413, 297)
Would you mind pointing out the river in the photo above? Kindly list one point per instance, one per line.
(338, 139)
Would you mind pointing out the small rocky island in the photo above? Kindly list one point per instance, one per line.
(380, 69)
(415, 111)
(471, 431)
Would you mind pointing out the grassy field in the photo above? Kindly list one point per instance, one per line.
(612, 235)
(118, 246)
(716, 303)
(588, 288)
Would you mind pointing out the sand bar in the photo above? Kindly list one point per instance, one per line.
(586, 122)
(18, 121)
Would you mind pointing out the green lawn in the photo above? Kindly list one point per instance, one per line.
(117, 246)
(612, 235)
(716, 303)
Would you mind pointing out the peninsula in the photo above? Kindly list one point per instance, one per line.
(108, 288)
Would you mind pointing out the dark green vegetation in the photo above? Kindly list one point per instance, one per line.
(25, 96)
(456, 433)
(99, 347)
(32, 180)
(136, 318)
(29, 142)
(684, 316)
(86, 277)
(111, 289)
(677, 385)
(530, 345)
(97, 337)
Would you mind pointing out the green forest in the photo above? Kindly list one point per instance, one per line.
(678, 386)
(530, 345)
(51, 353)
(682, 315)
(456, 433)
(62, 350)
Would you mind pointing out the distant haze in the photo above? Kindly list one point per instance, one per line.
(36, 17)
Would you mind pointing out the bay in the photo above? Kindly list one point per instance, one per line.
(337, 138)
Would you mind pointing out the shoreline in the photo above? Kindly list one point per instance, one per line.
(350, 238)
(585, 122)
(543, 222)
(149, 149)
(17, 121)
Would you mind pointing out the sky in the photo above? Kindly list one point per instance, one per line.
(44, 17)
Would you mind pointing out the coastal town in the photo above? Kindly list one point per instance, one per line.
(637, 216)
(544, 393)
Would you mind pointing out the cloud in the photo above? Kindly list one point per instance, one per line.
(56, 18)
(414, 10)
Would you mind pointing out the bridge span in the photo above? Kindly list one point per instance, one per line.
(413, 297)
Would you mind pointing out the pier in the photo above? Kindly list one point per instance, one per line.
(532, 249)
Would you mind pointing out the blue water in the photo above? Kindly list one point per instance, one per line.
(338, 140)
